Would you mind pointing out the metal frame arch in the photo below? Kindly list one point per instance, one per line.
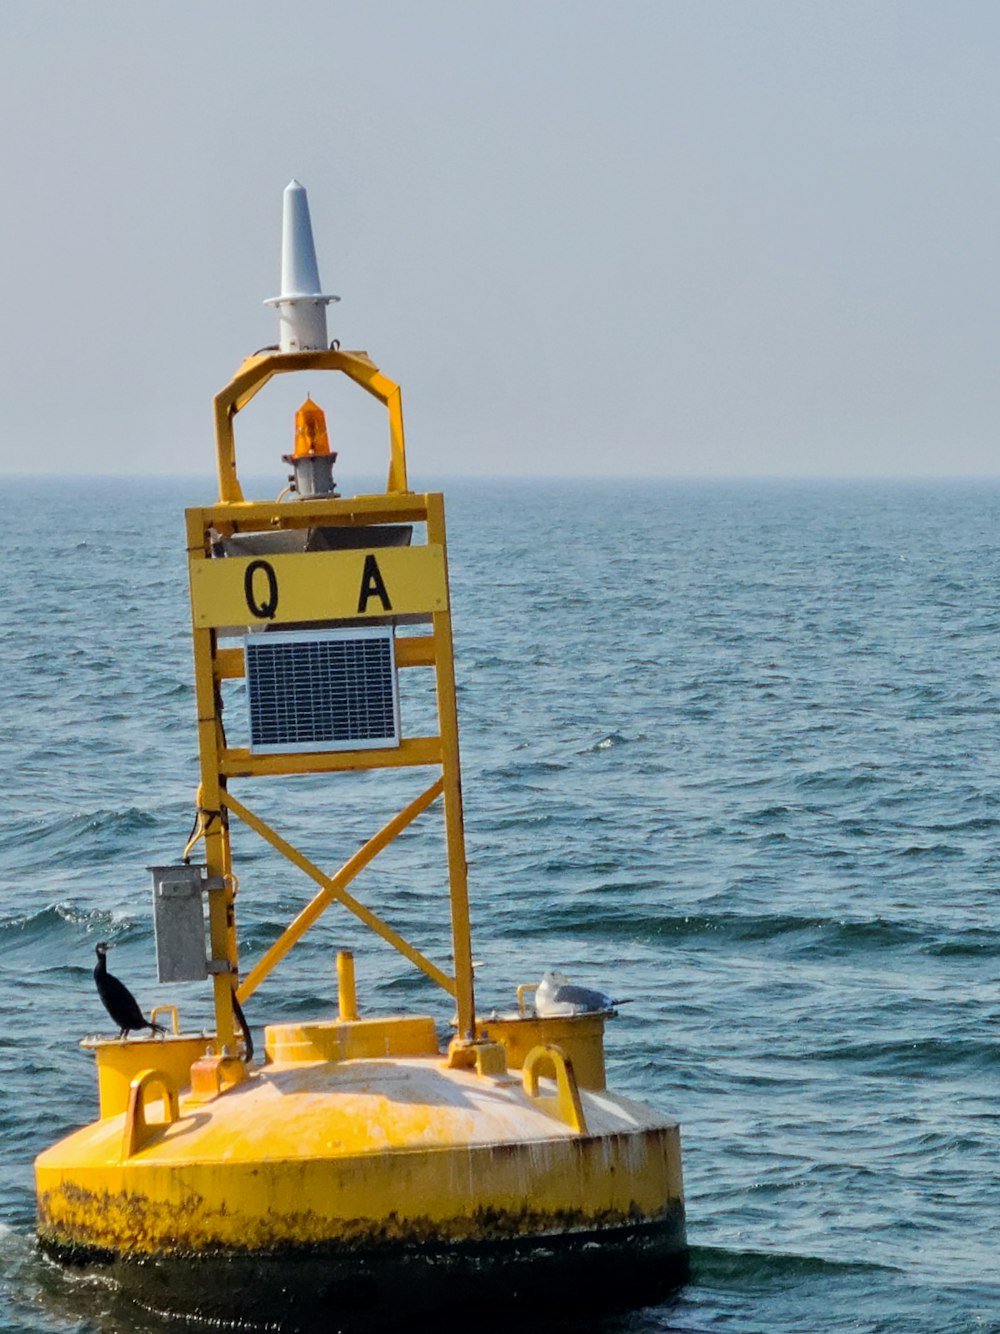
(255, 373)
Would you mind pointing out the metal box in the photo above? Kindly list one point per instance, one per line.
(179, 920)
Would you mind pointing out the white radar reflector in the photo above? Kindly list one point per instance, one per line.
(301, 305)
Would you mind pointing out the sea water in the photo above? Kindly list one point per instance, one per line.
(729, 749)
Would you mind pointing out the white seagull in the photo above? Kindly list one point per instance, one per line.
(556, 995)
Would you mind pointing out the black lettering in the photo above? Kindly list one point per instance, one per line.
(372, 586)
(269, 606)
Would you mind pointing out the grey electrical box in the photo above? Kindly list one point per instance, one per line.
(179, 919)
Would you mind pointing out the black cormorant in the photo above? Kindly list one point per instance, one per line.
(118, 1000)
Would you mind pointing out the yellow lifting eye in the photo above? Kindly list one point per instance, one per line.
(311, 436)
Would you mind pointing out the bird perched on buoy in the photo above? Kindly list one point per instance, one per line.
(118, 1000)
(556, 996)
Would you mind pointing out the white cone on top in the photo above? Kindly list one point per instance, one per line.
(302, 304)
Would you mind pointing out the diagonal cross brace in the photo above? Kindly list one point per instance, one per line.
(333, 888)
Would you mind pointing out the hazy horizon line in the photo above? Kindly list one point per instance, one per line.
(575, 479)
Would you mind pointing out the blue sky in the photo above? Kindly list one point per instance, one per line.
(687, 239)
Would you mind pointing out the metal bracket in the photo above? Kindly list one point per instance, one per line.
(565, 1104)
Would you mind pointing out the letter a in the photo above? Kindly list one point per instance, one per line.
(372, 586)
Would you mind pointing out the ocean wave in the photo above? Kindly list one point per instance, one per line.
(980, 824)
(831, 933)
(609, 742)
(840, 780)
(62, 921)
(716, 1264)
(915, 1055)
(981, 942)
(937, 851)
(101, 828)
(529, 769)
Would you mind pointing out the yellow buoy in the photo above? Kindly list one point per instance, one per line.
(359, 1161)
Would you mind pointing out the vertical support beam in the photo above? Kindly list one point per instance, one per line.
(222, 925)
(397, 447)
(452, 775)
(230, 490)
(347, 999)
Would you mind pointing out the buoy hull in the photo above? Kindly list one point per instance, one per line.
(314, 1190)
(362, 1287)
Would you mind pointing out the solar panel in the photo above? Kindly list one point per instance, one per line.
(325, 690)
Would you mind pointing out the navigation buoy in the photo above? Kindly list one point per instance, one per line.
(361, 1164)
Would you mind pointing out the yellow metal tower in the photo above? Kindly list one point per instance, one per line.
(347, 579)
